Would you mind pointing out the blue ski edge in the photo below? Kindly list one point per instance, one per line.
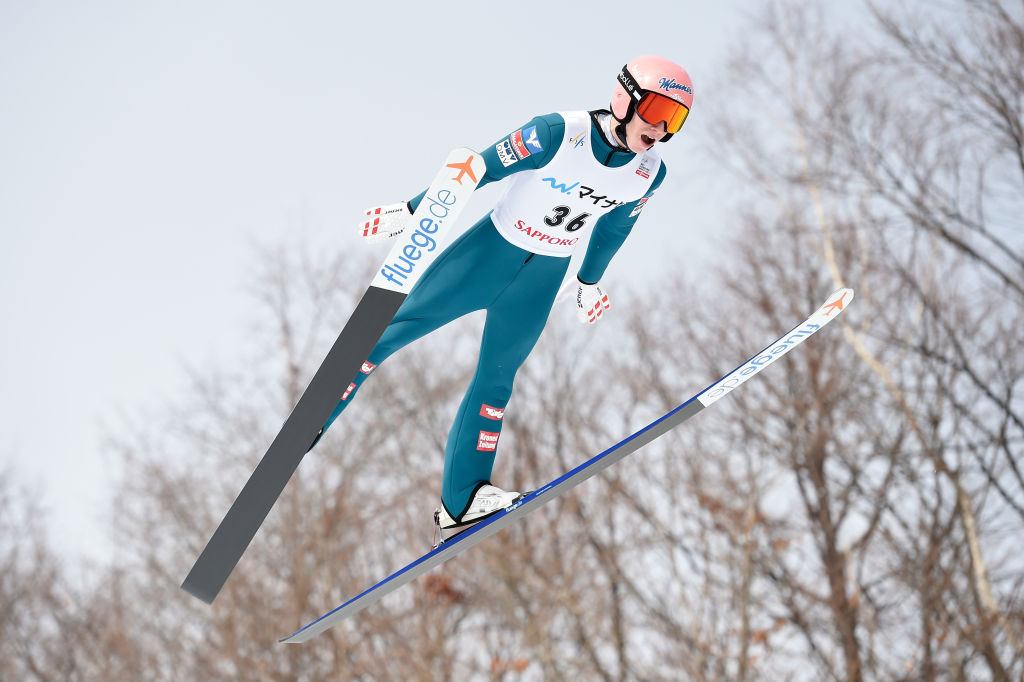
(461, 537)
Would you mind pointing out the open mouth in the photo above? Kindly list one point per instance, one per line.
(649, 141)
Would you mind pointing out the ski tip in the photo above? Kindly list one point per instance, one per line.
(465, 163)
(843, 293)
(837, 301)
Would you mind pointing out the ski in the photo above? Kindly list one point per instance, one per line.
(463, 541)
(412, 253)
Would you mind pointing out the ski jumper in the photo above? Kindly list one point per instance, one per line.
(565, 177)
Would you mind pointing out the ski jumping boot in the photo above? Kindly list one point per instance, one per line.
(487, 501)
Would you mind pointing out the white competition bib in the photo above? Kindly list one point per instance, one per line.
(549, 210)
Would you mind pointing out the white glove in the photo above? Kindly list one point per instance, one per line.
(386, 222)
(591, 303)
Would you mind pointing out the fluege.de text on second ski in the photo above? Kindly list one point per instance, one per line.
(758, 362)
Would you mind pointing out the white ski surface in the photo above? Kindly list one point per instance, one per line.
(835, 304)
(417, 247)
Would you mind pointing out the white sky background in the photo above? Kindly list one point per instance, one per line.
(145, 148)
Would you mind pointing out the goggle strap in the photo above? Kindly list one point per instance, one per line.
(630, 84)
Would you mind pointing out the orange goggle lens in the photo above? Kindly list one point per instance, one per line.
(655, 108)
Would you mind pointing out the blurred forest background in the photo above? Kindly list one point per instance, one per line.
(856, 513)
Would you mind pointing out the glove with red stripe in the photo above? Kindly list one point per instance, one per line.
(591, 302)
(386, 222)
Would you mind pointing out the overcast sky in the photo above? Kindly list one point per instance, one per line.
(146, 147)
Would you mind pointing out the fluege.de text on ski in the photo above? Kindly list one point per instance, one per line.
(399, 269)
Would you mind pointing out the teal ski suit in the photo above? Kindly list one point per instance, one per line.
(482, 270)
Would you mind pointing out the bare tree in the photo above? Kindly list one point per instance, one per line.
(37, 618)
(901, 148)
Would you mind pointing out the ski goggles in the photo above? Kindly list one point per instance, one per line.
(653, 107)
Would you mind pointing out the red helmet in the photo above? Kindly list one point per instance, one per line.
(655, 88)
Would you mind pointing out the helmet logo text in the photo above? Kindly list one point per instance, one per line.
(671, 84)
